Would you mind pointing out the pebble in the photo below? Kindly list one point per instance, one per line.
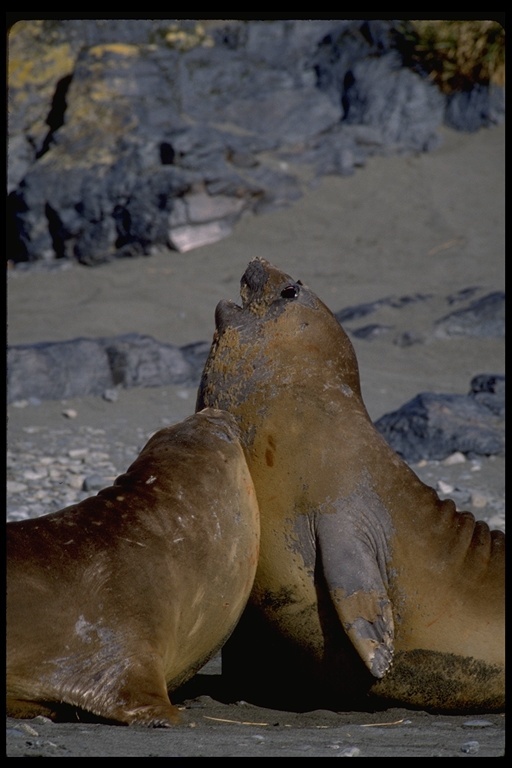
(470, 747)
(479, 500)
(94, 483)
(111, 395)
(15, 487)
(51, 468)
(350, 752)
(454, 458)
(477, 723)
(443, 487)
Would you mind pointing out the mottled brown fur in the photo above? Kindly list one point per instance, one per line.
(115, 601)
(365, 576)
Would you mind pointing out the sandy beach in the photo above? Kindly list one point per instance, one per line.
(431, 224)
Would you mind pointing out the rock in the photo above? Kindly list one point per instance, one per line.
(484, 318)
(141, 361)
(444, 487)
(94, 482)
(111, 395)
(381, 94)
(470, 747)
(408, 338)
(454, 458)
(466, 110)
(433, 426)
(187, 238)
(129, 135)
(362, 310)
(14, 486)
(371, 331)
(80, 367)
(53, 371)
(488, 389)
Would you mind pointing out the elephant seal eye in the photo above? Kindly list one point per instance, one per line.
(290, 292)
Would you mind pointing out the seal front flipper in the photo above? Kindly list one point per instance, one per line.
(355, 581)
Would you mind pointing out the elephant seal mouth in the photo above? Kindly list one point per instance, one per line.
(227, 314)
(264, 291)
(252, 285)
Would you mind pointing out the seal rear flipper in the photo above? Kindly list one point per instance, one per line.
(356, 587)
(367, 619)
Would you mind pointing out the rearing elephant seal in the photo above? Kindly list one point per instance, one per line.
(116, 600)
(369, 590)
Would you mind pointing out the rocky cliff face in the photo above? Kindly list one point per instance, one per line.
(130, 135)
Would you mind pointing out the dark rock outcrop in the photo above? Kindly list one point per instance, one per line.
(130, 135)
(80, 367)
(432, 426)
(484, 318)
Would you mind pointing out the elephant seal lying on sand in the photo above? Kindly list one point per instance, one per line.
(115, 601)
(369, 590)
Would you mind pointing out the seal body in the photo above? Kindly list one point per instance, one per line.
(115, 601)
(369, 590)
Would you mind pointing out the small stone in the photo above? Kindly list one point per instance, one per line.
(70, 413)
(454, 458)
(407, 339)
(41, 494)
(477, 724)
(31, 474)
(187, 238)
(497, 521)
(443, 487)
(470, 747)
(19, 514)
(99, 456)
(77, 482)
(350, 752)
(77, 453)
(111, 395)
(94, 483)
(14, 487)
(76, 469)
(478, 500)
(28, 729)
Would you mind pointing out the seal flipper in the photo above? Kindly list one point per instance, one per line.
(368, 621)
(357, 590)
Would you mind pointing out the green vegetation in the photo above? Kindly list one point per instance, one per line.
(456, 55)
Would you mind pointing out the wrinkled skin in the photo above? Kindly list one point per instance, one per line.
(369, 590)
(115, 601)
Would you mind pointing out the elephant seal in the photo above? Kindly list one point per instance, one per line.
(115, 601)
(370, 590)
